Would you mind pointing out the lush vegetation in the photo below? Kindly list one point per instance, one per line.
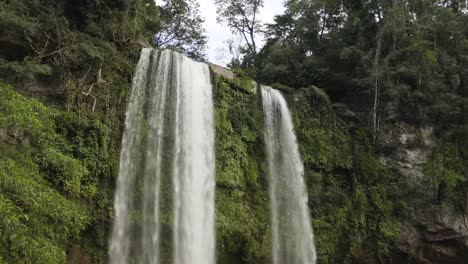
(55, 169)
(242, 213)
(386, 61)
(398, 56)
(349, 201)
(396, 59)
(59, 160)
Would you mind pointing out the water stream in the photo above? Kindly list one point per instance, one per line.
(293, 239)
(167, 147)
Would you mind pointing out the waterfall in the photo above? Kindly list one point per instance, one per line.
(293, 240)
(168, 143)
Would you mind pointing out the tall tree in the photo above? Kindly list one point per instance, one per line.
(241, 17)
(182, 28)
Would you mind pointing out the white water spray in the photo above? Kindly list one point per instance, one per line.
(293, 239)
(169, 137)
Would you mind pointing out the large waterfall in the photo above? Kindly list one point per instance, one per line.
(167, 147)
(293, 240)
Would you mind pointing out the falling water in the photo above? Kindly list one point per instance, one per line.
(169, 137)
(293, 239)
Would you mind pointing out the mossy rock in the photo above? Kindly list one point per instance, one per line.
(242, 203)
(240, 82)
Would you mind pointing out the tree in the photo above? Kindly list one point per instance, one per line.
(182, 28)
(241, 17)
(230, 54)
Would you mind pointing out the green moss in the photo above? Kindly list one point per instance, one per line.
(241, 197)
(348, 198)
(243, 83)
(240, 82)
(346, 183)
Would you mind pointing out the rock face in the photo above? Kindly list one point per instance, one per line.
(225, 72)
(406, 148)
(440, 243)
(435, 234)
(246, 84)
(435, 241)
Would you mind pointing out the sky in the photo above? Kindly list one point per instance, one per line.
(219, 33)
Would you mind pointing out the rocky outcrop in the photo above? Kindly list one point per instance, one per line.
(406, 148)
(431, 242)
(440, 243)
(436, 242)
(225, 72)
(245, 84)
(434, 234)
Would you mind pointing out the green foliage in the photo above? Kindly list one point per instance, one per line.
(347, 185)
(79, 55)
(241, 16)
(418, 65)
(445, 170)
(84, 52)
(48, 178)
(67, 172)
(182, 28)
(16, 111)
(241, 197)
(57, 167)
(388, 61)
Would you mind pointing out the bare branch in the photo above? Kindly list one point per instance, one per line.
(241, 16)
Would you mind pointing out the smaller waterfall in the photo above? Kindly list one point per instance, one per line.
(293, 239)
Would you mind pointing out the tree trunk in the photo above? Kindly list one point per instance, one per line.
(376, 84)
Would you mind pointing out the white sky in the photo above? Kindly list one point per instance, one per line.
(218, 33)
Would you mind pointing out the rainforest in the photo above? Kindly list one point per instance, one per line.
(336, 132)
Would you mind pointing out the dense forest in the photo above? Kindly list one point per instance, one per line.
(378, 91)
